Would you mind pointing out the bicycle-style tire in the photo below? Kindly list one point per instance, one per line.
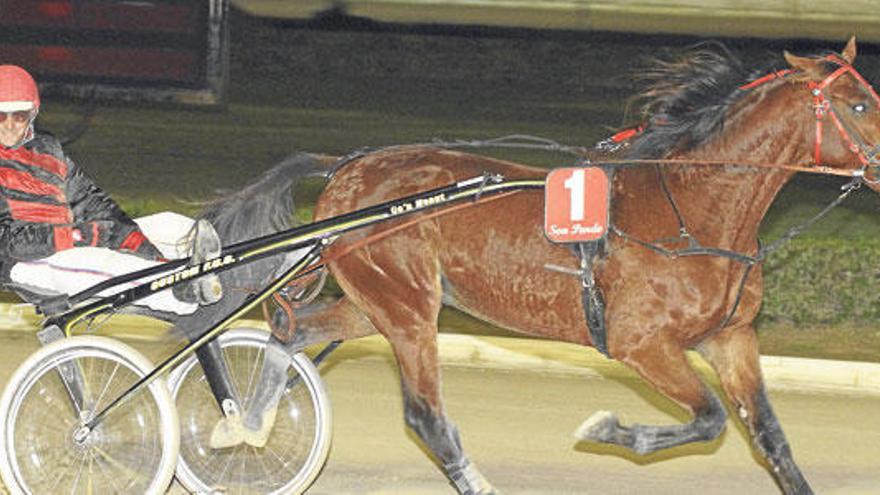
(299, 442)
(132, 450)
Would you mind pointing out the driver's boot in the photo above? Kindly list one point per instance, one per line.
(205, 246)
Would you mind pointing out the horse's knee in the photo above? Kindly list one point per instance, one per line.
(711, 420)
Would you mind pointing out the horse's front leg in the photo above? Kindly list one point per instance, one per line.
(660, 360)
(734, 355)
(769, 439)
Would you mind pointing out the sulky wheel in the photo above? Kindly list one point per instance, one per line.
(298, 443)
(132, 450)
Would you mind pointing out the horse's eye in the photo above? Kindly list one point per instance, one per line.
(860, 108)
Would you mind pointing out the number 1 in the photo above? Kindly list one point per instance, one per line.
(575, 184)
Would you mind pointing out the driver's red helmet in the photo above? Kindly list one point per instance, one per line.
(18, 90)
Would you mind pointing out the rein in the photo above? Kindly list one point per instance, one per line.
(287, 305)
(342, 252)
(521, 141)
(527, 142)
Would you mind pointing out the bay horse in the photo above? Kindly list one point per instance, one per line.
(489, 260)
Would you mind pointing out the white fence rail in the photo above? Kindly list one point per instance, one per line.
(818, 19)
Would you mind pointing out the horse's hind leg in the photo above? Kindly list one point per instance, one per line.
(397, 286)
(423, 413)
(340, 320)
(734, 355)
(664, 364)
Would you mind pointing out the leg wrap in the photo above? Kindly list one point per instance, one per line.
(441, 437)
(467, 479)
(770, 440)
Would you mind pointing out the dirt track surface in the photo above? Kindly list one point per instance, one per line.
(517, 426)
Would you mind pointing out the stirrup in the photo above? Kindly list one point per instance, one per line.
(227, 432)
(231, 431)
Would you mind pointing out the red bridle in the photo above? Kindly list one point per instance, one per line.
(823, 107)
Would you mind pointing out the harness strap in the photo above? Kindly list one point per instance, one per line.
(592, 299)
(737, 300)
(765, 79)
(820, 106)
(682, 227)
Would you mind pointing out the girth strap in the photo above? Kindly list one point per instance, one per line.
(592, 298)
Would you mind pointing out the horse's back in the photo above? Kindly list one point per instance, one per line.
(395, 173)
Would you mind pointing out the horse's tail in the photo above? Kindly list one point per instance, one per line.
(265, 206)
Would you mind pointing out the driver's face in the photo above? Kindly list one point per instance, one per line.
(13, 126)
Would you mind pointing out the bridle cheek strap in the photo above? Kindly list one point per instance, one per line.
(820, 106)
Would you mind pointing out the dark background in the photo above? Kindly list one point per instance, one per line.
(335, 83)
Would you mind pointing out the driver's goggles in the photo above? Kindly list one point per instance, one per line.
(19, 117)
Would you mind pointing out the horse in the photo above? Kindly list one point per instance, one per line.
(720, 141)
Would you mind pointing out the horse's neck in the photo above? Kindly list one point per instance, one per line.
(725, 208)
(724, 205)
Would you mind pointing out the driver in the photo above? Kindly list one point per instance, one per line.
(59, 232)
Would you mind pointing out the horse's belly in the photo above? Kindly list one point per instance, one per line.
(495, 270)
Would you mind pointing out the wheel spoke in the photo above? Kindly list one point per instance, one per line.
(78, 477)
(99, 400)
(253, 375)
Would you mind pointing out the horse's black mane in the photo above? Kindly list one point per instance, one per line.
(685, 97)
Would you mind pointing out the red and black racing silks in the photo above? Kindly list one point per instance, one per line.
(47, 204)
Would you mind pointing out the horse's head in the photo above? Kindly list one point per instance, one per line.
(845, 112)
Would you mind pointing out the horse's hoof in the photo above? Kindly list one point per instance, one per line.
(257, 437)
(470, 481)
(597, 428)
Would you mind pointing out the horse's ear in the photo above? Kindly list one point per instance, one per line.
(849, 51)
(810, 67)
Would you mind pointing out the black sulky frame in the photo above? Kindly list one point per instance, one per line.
(316, 235)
